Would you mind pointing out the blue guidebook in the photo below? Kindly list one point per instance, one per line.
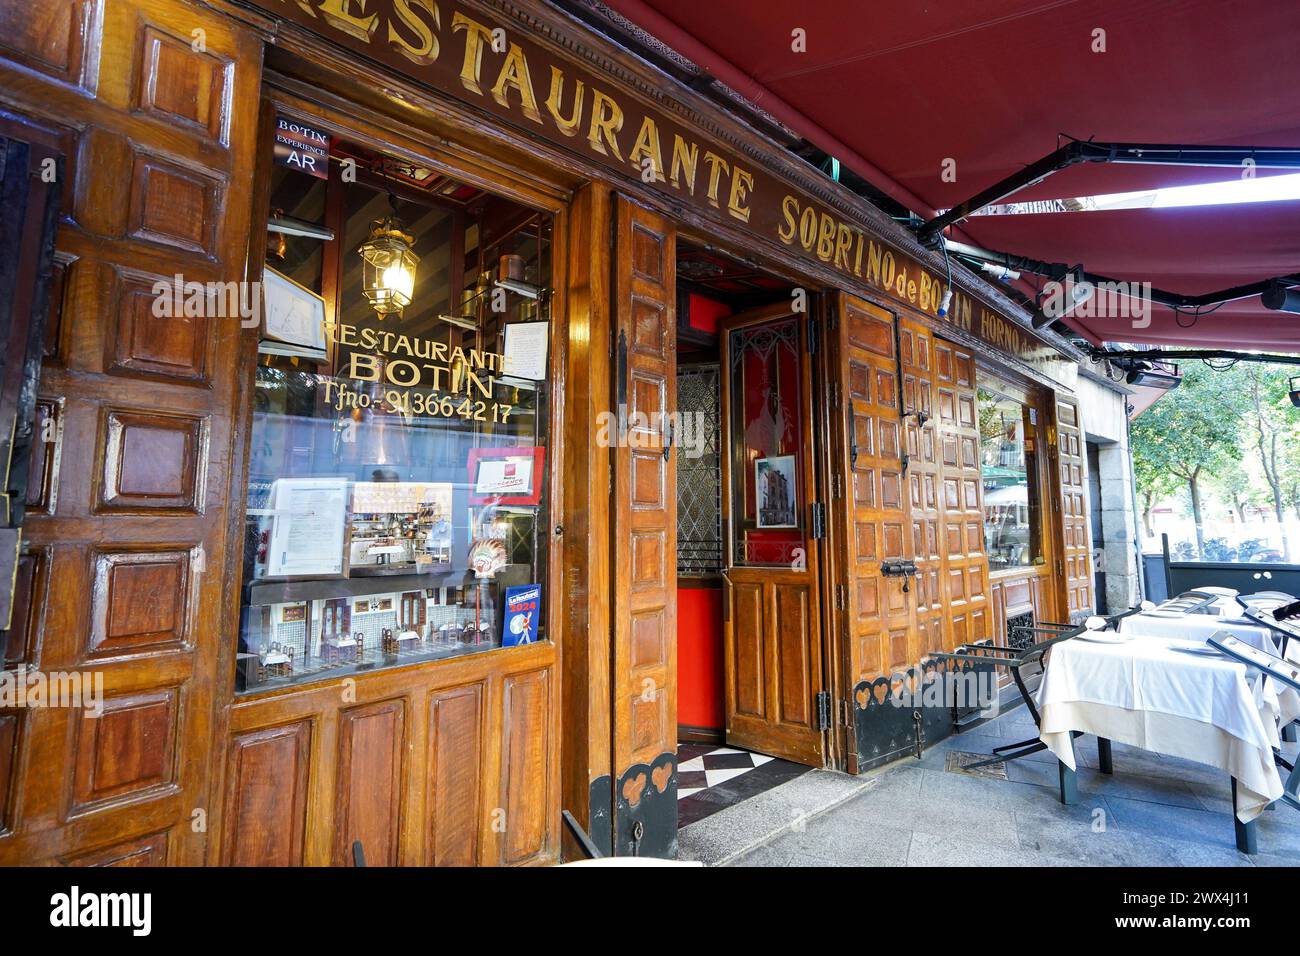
(523, 605)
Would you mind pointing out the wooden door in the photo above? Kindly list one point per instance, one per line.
(1074, 566)
(127, 530)
(772, 620)
(966, 567)
(644, 595)
(921, 472)
(880, 615)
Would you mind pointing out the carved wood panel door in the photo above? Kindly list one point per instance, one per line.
(644, 596)
(127, 520)
(772, 614)
(879, 615)
(923, 483)
(1075, 568)
(966, 567)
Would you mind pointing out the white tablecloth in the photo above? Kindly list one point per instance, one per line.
(1199, 627)
(1146, 694)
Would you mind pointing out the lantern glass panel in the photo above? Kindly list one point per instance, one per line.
(389, 271)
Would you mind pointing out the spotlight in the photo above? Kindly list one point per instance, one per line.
(1294, 392)
(1281, 299)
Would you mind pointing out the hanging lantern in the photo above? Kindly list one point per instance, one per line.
(389, 280)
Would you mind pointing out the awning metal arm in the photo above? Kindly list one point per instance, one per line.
(1081, 151)
(1193, 354)
(1059, 270)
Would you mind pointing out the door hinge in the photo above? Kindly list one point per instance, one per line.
(824, 710)
(846, 713)
(818, 520)
(835, 394)
(812, 336)
(841, 597)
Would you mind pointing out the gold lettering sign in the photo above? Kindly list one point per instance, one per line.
(453, 47)
(415, 376)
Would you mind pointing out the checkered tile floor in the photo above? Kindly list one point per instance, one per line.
(714, 767)
(710, 778)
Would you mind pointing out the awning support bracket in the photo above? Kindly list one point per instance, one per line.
(1077, 151)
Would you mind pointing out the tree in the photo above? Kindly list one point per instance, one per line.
(1274, 424)
(1237, 486)
(1154, 481)
(1191, 433)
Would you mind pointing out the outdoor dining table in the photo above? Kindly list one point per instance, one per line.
(1169, 695)
(1200, 627)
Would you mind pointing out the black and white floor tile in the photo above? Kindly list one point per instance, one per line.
(710, 778)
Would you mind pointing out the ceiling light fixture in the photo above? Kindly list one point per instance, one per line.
(390, 263)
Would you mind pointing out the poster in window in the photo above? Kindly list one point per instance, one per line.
(293, 317)
(506, 476)
(519, 624)
(525, 350)
(301, 147)
(308, 528)
(774, 488)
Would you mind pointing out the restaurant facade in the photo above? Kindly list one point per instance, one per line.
(437, 413)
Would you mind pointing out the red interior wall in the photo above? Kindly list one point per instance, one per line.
(705, 313)
(699, 657)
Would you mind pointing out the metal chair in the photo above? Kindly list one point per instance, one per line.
(1282, 671)
(1192, 602)
(1025, 663)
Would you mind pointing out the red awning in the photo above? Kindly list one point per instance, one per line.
(895, 90)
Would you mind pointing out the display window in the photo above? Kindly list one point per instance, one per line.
(397, 494)
(1009, 472)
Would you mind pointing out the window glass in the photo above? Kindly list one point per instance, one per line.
(766, 388)
(397, 500)
(1009, 470)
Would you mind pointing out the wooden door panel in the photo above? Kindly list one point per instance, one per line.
(526, 767)
(1075, 567)
(644, 655)
(879, 615)
(772, 627)
(160, 142)
(915, 495)
(796, 679)
(748, 670)
(916, 346)
(445, 765)
(266, 799)
(965, 565)
(455, 773)
(369, 787)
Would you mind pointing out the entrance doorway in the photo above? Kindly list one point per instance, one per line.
(749, 521)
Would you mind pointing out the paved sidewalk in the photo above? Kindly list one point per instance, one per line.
(1154, 811)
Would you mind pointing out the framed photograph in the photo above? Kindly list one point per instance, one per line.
(309, 528)
(293, 317)
(506, 476)
(775, 491)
